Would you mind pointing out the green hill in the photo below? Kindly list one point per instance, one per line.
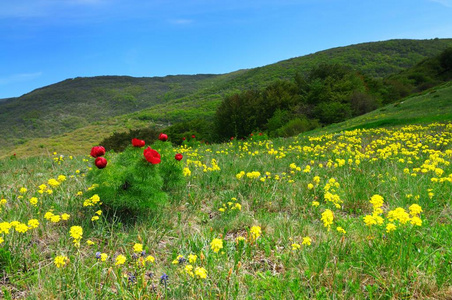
(434, 105)
(95, 107)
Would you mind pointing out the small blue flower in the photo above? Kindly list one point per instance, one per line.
(164, 278)
(98, 255)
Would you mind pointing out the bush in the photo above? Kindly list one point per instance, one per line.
(118, 141)
(130, 185)
(296, 126)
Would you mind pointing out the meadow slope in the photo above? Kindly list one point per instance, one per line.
(357, 214)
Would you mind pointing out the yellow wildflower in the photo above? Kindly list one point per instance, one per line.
(137, 248)
(315, 203)
(5, 227)
(55, 219)
(186, 171)
(189, 270)
(255, 232)
(369, 220)
(53, 182)
(33, 201)
(390, 227)
(21, 228)
(200, 273)
(306, 241)
(120, 259)
(327, 218)
(60, 261)
(216, 245)
(192, 258)
(103, 256)
(415, 210)
(76, 233)
(33, 223)
(341, 230)
(48, 215)
(295, 246)
(416, 221)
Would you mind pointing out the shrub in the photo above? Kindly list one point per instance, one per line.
(118, 141)
(131, 185)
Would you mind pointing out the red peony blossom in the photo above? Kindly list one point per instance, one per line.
(97, 151)
(178, 156)
(138, 143)
(151, 156)
(100, 162)
(163, 137)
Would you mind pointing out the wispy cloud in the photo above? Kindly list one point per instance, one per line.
(446, 3)
(181, 21)
(14, 78)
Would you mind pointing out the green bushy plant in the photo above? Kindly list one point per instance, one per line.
(131, 185)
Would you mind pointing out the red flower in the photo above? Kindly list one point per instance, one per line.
(232, 138)
(138, 143)
(151, 156)
(183, 138)
(178, 156)
(97, 151)
(193, 136)
(100, 162)
(163, 137)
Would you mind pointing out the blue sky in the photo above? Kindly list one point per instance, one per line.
(46, 41)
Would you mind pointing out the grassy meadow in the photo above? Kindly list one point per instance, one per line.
(364, 213)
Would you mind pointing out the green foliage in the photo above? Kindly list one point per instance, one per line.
(131, 186)
(295, 126)
(119, 141)
(202, 129)
(329, 94)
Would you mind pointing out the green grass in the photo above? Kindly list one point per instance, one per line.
(405, 165)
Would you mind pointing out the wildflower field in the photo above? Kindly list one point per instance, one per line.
(348, 215)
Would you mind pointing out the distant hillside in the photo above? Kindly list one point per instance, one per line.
(120, 102)
(434, 105)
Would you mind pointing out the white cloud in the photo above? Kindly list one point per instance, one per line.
(14, 78)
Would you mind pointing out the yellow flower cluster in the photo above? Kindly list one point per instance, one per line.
(186, 171)
(253, 175)
(216, 245)
(92, 201)
(60, 261)
(377, 202)
(231, 205)
(56, 218)
(76, 233)
(120, 260)
(255, 233)
(327, 218)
